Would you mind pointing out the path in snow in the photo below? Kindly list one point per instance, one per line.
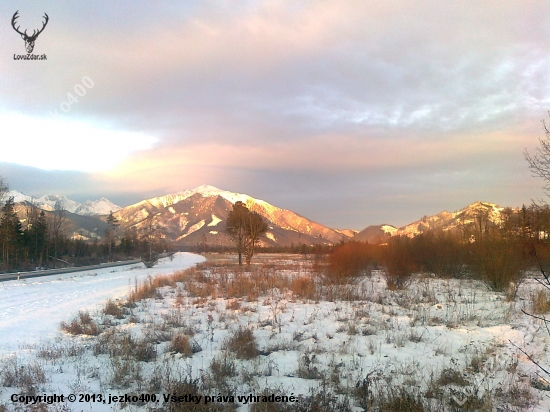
(31, 309)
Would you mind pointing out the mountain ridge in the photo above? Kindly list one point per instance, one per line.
(102, 206)
(192, 216)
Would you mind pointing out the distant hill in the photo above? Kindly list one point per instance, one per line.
(102, 206)
(444, 221)
(376, 234)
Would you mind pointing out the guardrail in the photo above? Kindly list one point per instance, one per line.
(49, 272)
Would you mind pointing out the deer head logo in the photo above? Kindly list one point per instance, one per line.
(29, 40)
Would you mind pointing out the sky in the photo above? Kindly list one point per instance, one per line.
(350, 113)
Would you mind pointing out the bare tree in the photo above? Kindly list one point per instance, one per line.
(58, 222)
(539, 163)
(150, 235)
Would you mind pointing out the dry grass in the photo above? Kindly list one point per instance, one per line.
(82, 324)
(540, 303)
(180, 344)
(111, 308)
(243, 344)
(233, 304)
(304, 287)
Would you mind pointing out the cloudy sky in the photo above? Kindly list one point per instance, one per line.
(348, 112)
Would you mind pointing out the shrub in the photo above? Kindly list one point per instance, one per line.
(399, 261)
(498, 262)
(223, 367)
(243, 344)
(111, 308)
(349, 261)
(180, 344)
(82, 324)
(304, 287)
(442, 253)
(539, 302)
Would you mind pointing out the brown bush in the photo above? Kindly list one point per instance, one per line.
(233, 304)
(540, 303)
(111, 308)
(82, 324)
(180, 344)
(399, 261)
(243, 344)
(442, 253)
(497, 262)
(304, 287)
(351, 260)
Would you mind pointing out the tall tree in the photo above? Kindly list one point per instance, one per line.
(3, 188)
(255, 228)
(151, 234)
(539, 163)
(110, 233)
(235, 227)
(57, 228)
(35, 233)
(11, 232)
(245, 228)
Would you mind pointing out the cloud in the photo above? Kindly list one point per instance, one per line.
(375, 93)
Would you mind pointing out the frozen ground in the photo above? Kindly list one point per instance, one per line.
(31, 309)
(445, 339)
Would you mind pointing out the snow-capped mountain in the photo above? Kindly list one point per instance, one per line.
(102, 206)
(450, 220)
(48, 202)
(198, 216)
(444, 221)
(376, 233)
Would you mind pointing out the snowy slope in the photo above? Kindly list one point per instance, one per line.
(49, 202)
(179, 216)
(102, 206)
(31, 309)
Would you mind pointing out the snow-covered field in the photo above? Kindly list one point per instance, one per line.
(31, 309)
(276, 329)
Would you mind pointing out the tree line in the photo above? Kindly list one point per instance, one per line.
(32, 238)
(497, 252)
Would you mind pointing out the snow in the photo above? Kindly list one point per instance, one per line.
(31, 309)
(411, 334)
(102, 206)
(389, 229)
(17, 196)
(51, 200)
(215, 220)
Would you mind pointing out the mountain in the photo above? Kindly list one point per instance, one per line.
(197, 216)
(47, 202)
(473, 214)
(102, 206)
(451, 220)
(376, 233)
(347, 232)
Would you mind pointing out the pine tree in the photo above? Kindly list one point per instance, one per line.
(110, 232)
(11, 232)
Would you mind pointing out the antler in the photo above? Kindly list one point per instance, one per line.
(43, 26)
(15, 17)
